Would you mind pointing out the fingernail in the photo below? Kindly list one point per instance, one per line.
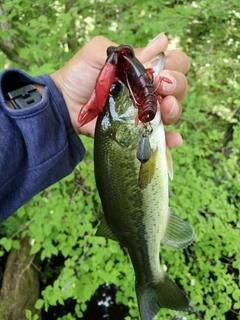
(175, 110)
(169, 87)
(155, 39)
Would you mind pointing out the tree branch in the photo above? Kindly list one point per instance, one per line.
(11, 55)
(71, 38)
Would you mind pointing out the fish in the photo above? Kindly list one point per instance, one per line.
(135, 199)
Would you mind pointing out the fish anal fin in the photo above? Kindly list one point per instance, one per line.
(147, 171)
(105, 231)
(169, 163)
(179, 233)
(163, 294)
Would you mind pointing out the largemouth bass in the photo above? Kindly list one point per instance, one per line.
(134, 197)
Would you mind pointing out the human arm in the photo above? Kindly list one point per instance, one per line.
(38, 144)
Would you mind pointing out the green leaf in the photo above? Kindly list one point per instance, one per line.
(39, 304)
(28, 314)
(6, 243)
(35, 248)
(16, 244)
(236, 294)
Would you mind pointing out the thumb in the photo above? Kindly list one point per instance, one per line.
(95, 51)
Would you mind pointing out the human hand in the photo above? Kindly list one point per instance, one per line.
(76, 80)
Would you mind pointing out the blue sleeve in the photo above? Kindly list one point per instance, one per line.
(38, 145)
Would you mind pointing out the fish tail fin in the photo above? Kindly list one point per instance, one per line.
(164, 294)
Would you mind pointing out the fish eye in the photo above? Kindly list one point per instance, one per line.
(116, 89)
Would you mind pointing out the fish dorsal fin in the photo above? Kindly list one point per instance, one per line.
(147, 171)
(179, 233)
(105, 231)
(169, 163)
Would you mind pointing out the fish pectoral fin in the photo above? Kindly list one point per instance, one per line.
(147, 171)
(163, 294)
(179, 233)
(169, 163)
(105, 231)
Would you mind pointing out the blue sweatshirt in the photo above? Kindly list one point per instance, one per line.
(38, 145)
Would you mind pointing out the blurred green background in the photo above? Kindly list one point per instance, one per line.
(59, 224)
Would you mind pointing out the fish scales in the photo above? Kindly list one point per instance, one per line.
(134, 197)
(116, 203)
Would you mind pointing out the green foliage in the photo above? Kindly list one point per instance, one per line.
(61, 221)
(30, 316)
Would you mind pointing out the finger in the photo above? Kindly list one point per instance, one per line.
(173, 139)
(156, 45)
(178, 88)
(171, 110)
(177, 60)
